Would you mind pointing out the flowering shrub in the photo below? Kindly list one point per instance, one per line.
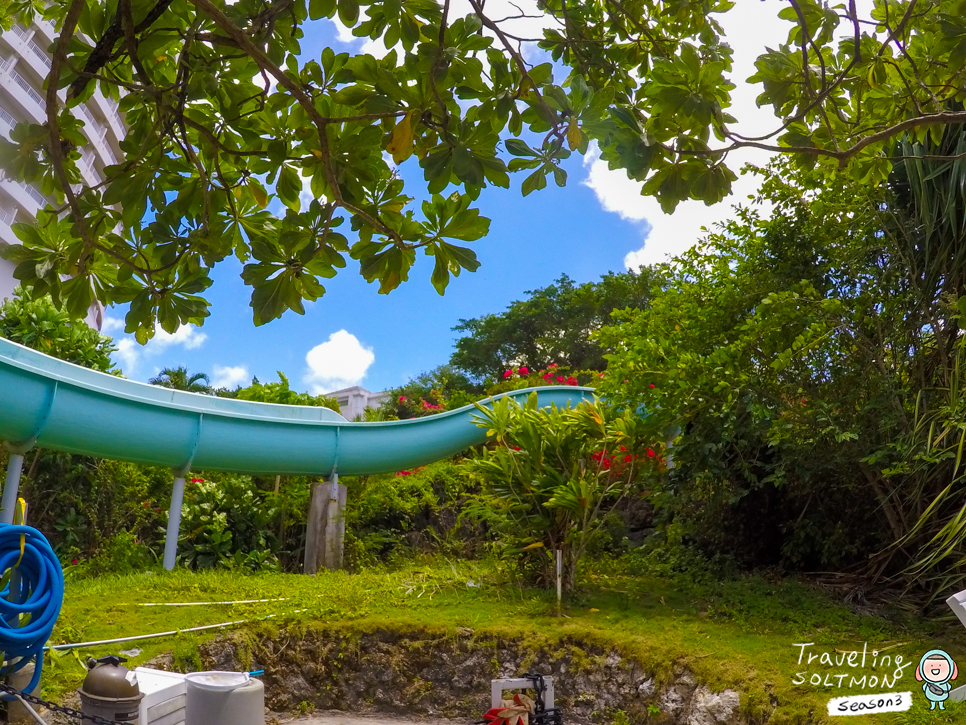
(553, 374)
(551, 476)
(428, 394)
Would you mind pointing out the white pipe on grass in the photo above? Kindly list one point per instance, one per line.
(156, 635)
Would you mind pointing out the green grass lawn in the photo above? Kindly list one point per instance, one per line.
(738, 634)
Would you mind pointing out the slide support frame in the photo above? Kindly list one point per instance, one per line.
(11, 487)
(174, 522)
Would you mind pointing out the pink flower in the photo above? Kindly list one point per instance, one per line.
(561, 379)
(548, 376)
(552, 365)
(507, 374)
(523, 370)
(571, 380)
(651, 385)
(402, 398)
(73, 561)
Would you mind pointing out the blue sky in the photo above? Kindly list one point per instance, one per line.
(353, 335)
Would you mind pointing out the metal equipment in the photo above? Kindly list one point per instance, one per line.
(544, 712)
(110, 690)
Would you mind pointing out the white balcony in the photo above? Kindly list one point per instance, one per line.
(27, 197)
(109, 109)
(47, 29)
(22, 92)
(95, 131)
(7, 122)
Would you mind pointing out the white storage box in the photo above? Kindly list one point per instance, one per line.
(164, 697)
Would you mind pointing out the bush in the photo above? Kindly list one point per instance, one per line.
(393, 516)
(550, 478)
(225, 522)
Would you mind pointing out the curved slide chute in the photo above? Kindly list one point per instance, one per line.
(65, 407)
(57, 405)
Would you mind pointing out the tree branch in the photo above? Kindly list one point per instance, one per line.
(245, 43)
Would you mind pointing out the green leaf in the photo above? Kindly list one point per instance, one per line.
(289, 186)
(321, 9)
(349, 12)
(519, 148)
(536, 180)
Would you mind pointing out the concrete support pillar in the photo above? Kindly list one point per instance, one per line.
(174, 523)
(11, 487)
(325, 531)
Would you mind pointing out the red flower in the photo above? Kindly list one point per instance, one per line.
(404, 473)
(516, 448)
(548, 376)
(507, 374)
(561, 379)
(650, 453)
(600, 375)
(73, 561)
(524, 370)
(803, 400)
(571, 380)
(651, 385)
(628, 458)
(402, 398)
(623, 448)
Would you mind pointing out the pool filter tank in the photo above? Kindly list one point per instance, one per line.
(224, 698)
(110, 690)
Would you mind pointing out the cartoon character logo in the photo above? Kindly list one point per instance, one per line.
(935, 670)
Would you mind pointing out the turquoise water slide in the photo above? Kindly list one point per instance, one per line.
(57, 405)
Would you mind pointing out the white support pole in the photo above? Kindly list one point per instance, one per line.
(174, 523)
(11, 488)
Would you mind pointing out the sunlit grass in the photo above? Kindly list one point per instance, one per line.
(737, 634)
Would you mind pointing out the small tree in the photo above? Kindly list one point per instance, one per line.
(551, 475)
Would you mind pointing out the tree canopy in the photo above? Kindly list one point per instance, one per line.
(224, 110)
(179, 378)
(552, 325)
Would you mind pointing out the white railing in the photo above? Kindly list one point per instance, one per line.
(34, 194)
(7, 119)
(20, 31)
(88, 159)
(28, 89)
(39, 52)
(7, 216)
(93, 127)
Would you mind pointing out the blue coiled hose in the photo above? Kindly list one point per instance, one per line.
(37, 590)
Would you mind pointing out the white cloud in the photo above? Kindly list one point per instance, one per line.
(339, 362)
(230, 377)
(130, 354)
(111, 325)
(187, 336)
